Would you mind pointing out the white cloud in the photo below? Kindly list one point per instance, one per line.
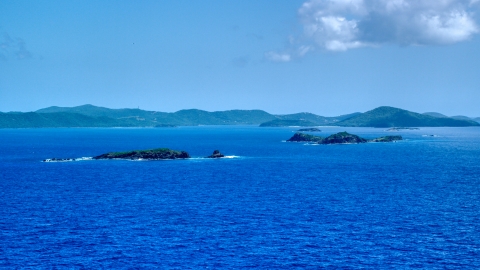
(278, 57)
(339, 25)
(304, 50)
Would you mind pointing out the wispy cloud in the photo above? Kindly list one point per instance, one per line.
(278, 57)
(13, 47)
(340, 25)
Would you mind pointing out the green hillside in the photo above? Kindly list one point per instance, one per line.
(435, 114)
(232, 117)
(244, 117)
(316, 119)
(94, 111)
(192, 117)
(394, 117)
(458, 117)
(93, 116)
(461, 117)
(39, 120)
(304, 116)
(287, 123)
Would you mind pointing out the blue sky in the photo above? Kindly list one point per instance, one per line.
(327, 57)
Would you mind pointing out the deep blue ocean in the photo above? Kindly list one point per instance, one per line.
(277, 205)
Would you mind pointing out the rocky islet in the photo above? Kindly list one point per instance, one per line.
(339, 138)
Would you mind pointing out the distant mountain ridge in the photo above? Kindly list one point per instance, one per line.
(287, 123)
(319, 120)
(39, 120)
(458, 117)
(191, 117)
(93, 116)
(435, 114)
(393, 117)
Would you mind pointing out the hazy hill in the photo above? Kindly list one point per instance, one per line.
(232, 117)
(190, 117)
(345, 116)
(250, 117)
(95, 111)
(461, 117)
(287, 123)
(394, 117)
(458, 117)
(304, 116)
(435, 114)
(316, 119)
(93, 116)
(37, 120)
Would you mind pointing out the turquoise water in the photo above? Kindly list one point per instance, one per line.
(410, 204)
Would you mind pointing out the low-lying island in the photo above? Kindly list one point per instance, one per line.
(339, 138)
(150, 154)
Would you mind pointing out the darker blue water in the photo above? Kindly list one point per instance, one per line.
(411, 204)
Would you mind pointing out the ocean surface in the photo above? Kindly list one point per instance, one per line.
(276, 205)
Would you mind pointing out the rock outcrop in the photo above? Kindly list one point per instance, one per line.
(58, 160)
(216, 154)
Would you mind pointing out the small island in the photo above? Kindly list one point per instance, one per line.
(343, 137)
(339, 138)
(152, 154)
(302, 137)
(387, 139)
(309, 130)
(216, 154)
(401, 128)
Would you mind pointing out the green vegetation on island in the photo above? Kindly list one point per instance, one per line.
(387, 139)
(343, 137)
(316, 119)
(302, 137)
(191, 117)
(93, 116)
(152, 154)
(287, 123)
(458, 117)
(392, 117)
(339, 138)
(56, 120)
(435, 114)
